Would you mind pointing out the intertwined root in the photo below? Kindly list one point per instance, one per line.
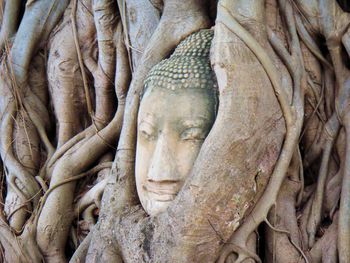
(299, 229)
(26, 149)
(83, 70)
(24, 122)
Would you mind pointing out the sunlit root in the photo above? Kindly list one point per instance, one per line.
(69, 100)
(79, 157)
(93, 196)
(21, 140)
(9, 21)
(272, 179)
(293, 116)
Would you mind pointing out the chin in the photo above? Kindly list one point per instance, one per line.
(154, 208)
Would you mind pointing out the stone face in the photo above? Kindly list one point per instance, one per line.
(176, 114)
(187, 67)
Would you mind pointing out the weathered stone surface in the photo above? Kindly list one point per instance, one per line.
(187, 67)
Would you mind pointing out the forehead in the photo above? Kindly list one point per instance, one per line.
(179, 103)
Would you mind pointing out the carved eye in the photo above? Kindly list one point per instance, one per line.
(193, 134)
(147, 131)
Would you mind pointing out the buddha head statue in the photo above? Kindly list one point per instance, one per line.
(177, 111)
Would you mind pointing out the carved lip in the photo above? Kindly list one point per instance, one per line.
(163, 191)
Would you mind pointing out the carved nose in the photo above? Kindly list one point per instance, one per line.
(163, 164)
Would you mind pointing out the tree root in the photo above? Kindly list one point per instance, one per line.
(9, 21)
(303, 198)
(242, 252)
(79, 138)
(75, 162)
(344, 210)
(290, 239)
(80, 60)
(82, 250)
(293, 116)
(94, 195)
(316, 209)
(15, 169)
(72, 179)
(34, 29)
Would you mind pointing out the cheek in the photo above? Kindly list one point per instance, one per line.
(144, 153)
(186, 155)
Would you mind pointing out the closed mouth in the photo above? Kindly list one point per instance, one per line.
(162, 191)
